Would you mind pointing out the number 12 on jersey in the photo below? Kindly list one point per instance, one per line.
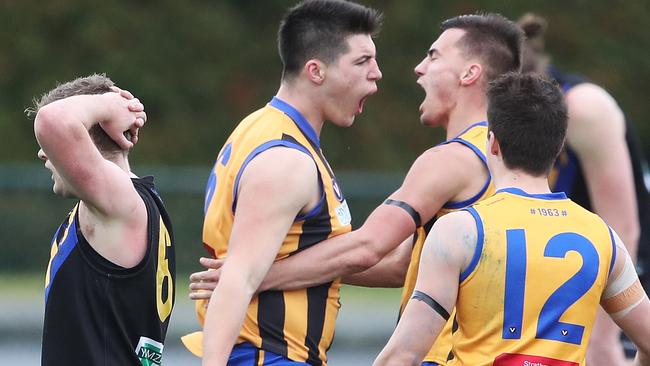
(549, 325)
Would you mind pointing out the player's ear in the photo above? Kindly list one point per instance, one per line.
(315, 71)
(493, 145)
(471, 75)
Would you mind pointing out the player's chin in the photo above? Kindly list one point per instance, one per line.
(61, 192)
(58, 191)
(427, 120)
(347, 121)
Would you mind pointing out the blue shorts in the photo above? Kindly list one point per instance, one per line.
(245, 354)
(430, 364)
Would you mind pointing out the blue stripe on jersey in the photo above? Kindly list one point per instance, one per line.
(472, 200)
(471, 146)
(456, 138)
(225, 154)
(210, 187)
(543, 196)
(68, 243)
(479, 244)
(265, 146)
(611, 235)
(298, 118)
(515, 284)
(479, 153)
(245, 354)
(314, 211)
(482, 123)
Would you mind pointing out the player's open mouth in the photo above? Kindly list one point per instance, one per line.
(361, 103)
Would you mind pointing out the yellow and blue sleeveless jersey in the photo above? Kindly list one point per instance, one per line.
(532, 289)
(296, 324)
(474, 138)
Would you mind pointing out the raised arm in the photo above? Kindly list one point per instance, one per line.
(447, 252)
(627, 303)
(597, 134)
(264, 215)
(114, 218)
(437, 176)
(61, 129)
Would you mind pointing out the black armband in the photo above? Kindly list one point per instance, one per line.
(421, 296)
(406, 207)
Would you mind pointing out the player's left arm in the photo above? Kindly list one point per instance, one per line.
(389, 272)
(264, 215)
(448, 250)
(626, 302)
(597, 134)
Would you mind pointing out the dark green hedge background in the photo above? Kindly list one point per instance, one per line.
(200, 66)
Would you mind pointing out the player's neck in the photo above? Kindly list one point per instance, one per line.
(466, 113)
(507, 178)
(122, 161)
(302, 101)
(461, 121)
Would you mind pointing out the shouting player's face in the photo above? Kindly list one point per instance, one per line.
(350, 80)
(439, 74)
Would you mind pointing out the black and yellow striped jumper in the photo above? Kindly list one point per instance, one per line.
(297, 324)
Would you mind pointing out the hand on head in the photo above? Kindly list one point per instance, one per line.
(127, 117)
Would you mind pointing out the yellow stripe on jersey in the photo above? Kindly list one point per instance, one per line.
(474, 138)
(296, 324)
(260, 358)
(532, 290)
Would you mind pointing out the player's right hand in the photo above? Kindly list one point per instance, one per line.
(204, 282)
(127, 114)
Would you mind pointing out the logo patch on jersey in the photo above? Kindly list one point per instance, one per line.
(337, 190)
(149, 352)
(509, 359)
(343, 213)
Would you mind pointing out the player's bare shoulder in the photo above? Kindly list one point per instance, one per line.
(591, 106)
(451, 158)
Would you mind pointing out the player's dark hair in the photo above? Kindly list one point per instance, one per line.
(528, 116)
(492, 38)
(319, 29)
(93, 84)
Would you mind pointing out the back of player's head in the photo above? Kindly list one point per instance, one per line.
(93, 84)
(494, 39)
(534, 26)
(528, 117)
(318, 29)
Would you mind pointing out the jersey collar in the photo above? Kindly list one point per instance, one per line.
(544, 196)
(298, 118)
